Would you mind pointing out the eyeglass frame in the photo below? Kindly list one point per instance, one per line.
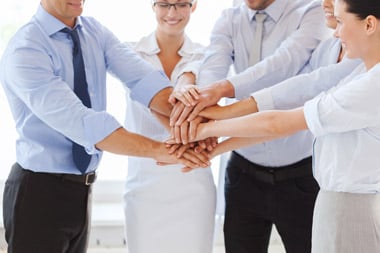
(169, 5)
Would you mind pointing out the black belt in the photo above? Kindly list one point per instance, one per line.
(272, 175)
(86, 179)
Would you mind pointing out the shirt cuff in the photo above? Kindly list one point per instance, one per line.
(97, 127)
(241, 86)
(264, 99)
(149, 86)
(192, 68)
(311, 114)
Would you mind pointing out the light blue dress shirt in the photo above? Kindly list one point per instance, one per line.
(292, 30)
(346, 123)
(37, 76)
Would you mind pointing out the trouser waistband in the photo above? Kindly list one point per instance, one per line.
(273, 174)
(86, 179)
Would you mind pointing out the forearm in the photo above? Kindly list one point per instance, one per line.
(269, 124)
(123, 142)
(238, 109)
(224, 89)
(160, 102)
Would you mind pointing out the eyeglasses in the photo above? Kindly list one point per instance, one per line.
(177, 6)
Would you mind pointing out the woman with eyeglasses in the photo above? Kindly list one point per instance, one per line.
(345, 121)
(166, 210)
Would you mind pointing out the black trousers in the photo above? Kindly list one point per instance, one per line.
(254, 204)
(44, 214)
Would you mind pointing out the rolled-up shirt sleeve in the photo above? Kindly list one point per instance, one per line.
(97, 127)
(352, 105)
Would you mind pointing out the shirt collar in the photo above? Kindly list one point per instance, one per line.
(148, 45)
(274, 10)
(50, 23)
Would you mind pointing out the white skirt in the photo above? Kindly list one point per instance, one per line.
(346, 223)
(168, 211)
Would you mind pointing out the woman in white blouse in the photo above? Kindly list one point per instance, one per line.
(346, 124)
(166, 210)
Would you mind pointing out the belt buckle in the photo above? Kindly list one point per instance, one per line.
(90, 178)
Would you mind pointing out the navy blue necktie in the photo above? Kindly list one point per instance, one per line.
(80, 156)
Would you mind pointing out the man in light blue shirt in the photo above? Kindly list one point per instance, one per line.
(270, 183)
(46, 196)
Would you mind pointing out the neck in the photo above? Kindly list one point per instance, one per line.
(169, 43)
(372, 56)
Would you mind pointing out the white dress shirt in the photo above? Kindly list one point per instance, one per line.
(346, 123)
(292, 30)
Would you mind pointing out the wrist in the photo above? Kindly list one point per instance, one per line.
(203, 130)
(225, 89)
(158, 150)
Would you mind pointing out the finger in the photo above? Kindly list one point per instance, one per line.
(184, 132)
(202, 144)
(184, 114)
(173, 148)
(172, 100)
(170, 142)
(214, 141)
(195, 93)
(197, 158)
(198, 149)
(176, 113)
(188, 163)
(196, 110)
(162, 163)
(193, 128)
(177, 134)
(181, 150)
(187, 169)
(211, 143)
(190, 101)
(192, 96)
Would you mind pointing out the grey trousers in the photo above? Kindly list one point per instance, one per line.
(346, 223)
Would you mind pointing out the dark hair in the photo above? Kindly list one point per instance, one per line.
(363, 8)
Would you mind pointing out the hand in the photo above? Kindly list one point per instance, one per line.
(188, 94)
(210, 95)
(177, 148)
(179, 114)
(189, 158)
(201, 133)
(207, 96)
(208, 144)
(187, 130)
